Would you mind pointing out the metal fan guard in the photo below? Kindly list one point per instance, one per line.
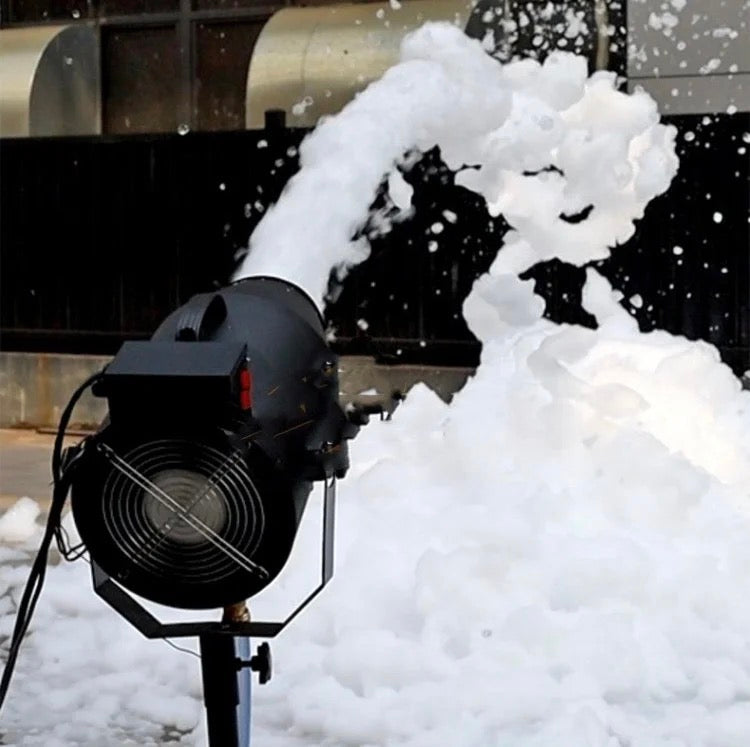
(213, 486)
(222, 536)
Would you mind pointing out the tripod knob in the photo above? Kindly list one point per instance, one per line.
(262, 663)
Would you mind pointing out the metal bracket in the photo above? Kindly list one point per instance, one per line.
(151, 627)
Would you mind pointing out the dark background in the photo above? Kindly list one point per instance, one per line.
(101, 237)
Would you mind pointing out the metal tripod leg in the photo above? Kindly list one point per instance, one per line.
(220, 692)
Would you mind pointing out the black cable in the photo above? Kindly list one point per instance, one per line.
(61, 476)
(62, 539)
(68, 551)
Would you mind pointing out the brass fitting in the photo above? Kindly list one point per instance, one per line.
(236, 613)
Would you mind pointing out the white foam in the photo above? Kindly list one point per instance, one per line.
(18, 523)
(613, 153)
(559, 556)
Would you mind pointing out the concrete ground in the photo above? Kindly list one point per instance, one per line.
(25, 457)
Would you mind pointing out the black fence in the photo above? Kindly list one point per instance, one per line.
(101, 237)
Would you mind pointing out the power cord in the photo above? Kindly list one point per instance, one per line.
(62, 471)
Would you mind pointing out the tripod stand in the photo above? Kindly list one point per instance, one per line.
(226, 686)
(225, 645)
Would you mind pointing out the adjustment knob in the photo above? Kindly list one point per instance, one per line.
(262, 663)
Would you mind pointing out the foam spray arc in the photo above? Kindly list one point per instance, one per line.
(586, 144)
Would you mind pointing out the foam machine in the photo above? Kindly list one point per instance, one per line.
(191, 492)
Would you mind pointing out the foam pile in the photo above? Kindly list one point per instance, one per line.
(558, 557)
(18, 523)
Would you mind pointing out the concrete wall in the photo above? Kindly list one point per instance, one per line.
(35, 387)
(364, 382)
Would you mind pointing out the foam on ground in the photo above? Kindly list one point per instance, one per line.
(560, 556)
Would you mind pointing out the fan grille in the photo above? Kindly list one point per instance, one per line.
(197, 500)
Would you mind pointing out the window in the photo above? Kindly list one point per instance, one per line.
(25, 11)
(127, 7)
(140, 80)
(223, 55)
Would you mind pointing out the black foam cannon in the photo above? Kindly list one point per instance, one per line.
(191, 492)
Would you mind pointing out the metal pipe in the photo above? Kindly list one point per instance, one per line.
(49, 81)
(310, 62)
(601, 17)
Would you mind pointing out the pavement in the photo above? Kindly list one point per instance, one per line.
(25, 457)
